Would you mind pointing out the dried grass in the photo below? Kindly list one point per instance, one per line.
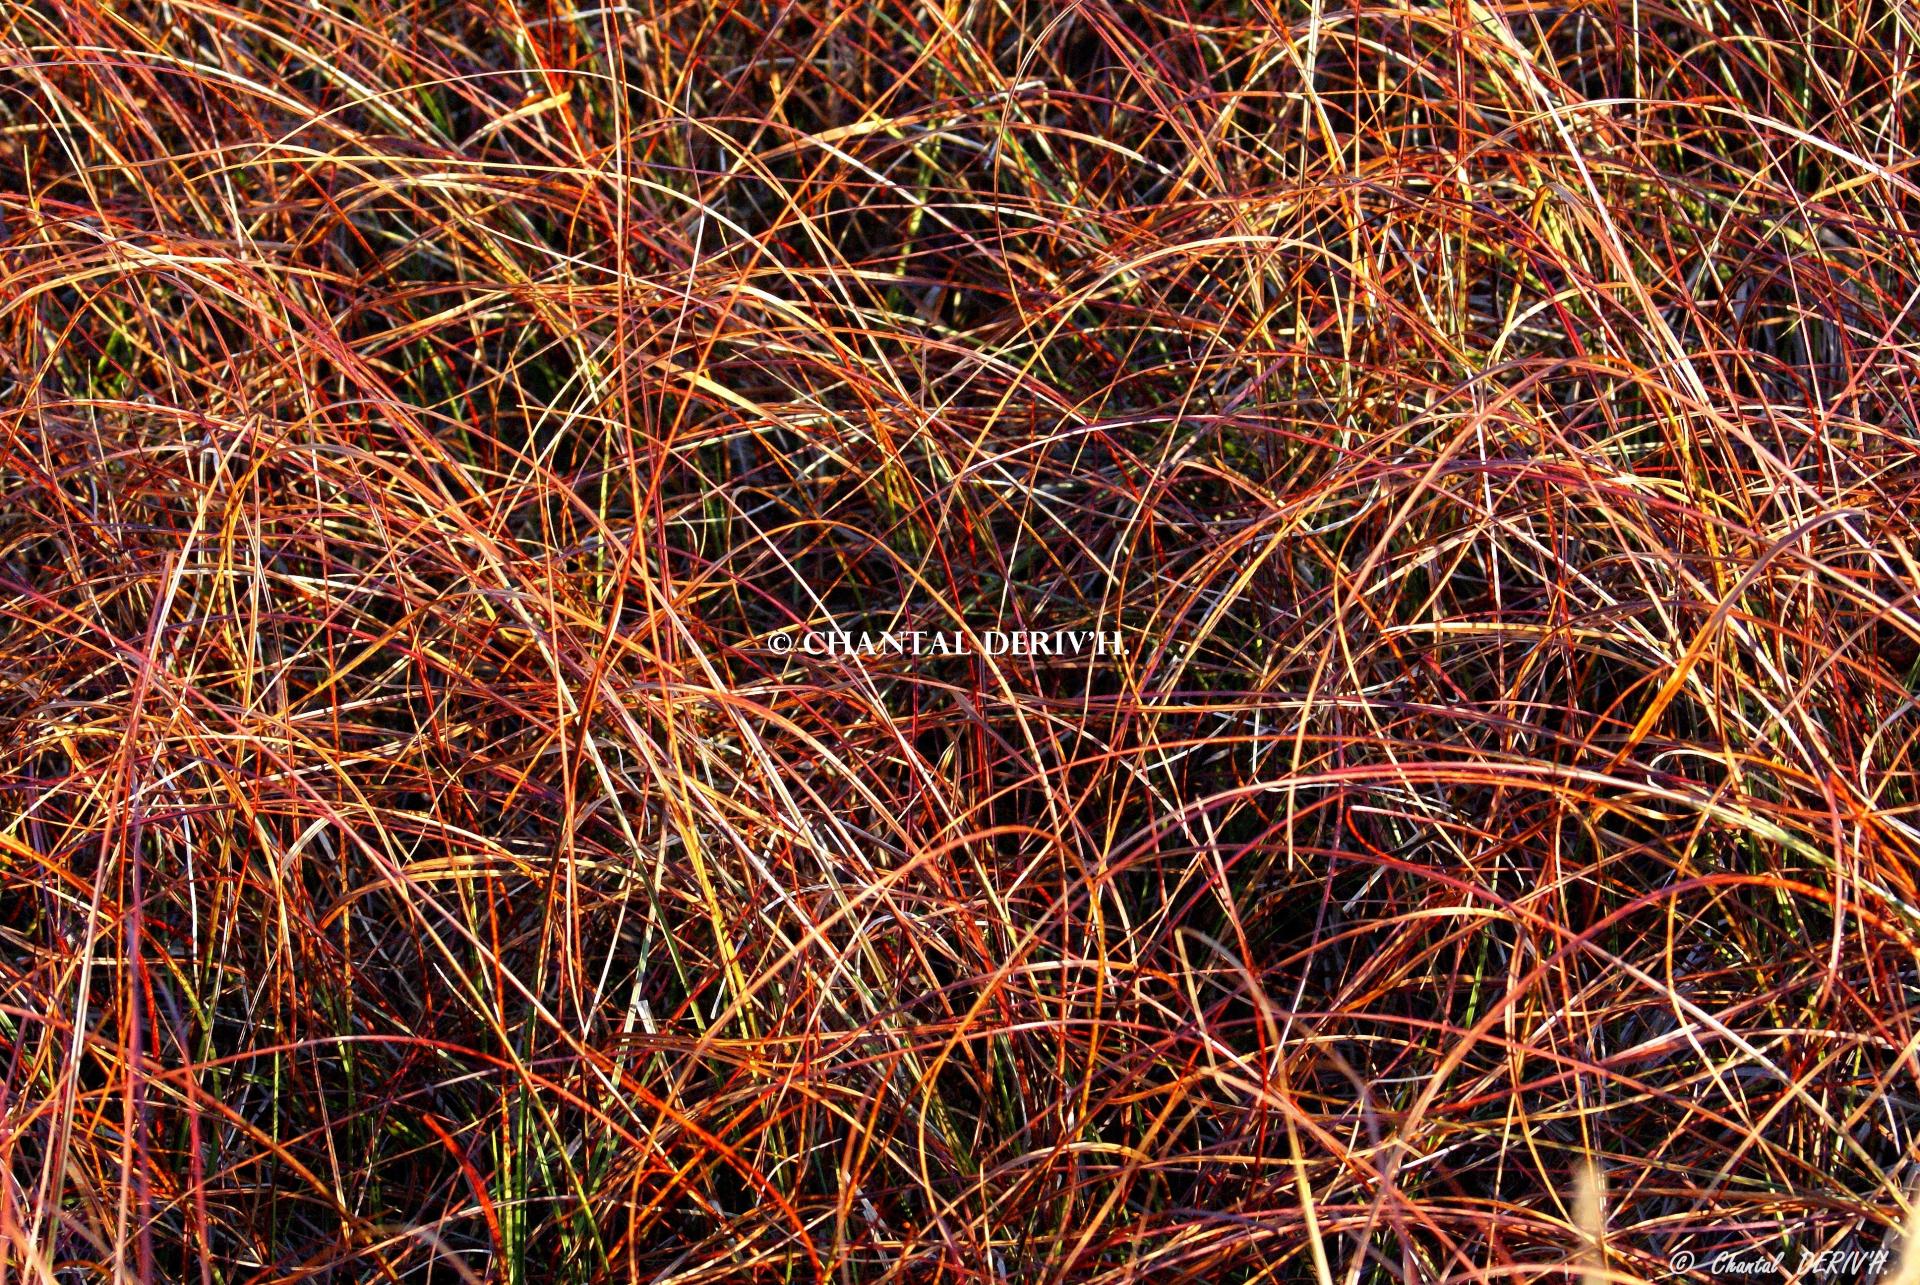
(1494, 431)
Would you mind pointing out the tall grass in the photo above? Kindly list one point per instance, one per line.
(1493, 430)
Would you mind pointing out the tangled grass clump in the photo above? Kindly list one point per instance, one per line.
(1492, 431)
